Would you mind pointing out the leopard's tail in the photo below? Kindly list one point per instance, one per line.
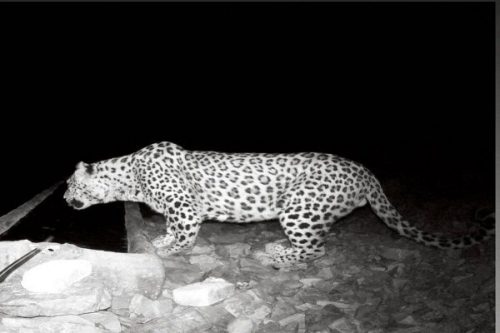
(391, 217)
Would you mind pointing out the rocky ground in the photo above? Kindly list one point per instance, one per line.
(370, 280)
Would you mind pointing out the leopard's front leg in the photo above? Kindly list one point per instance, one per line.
(165, 240)
(182, 228)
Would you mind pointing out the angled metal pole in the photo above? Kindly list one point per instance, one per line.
(8, 220)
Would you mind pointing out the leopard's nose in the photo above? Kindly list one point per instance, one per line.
(75, 203)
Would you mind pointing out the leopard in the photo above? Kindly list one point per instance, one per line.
(307, 192)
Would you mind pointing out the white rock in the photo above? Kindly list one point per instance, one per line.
(298, 318)
(342, 325)
(208, 292)
(188, 320)
(247, 304)
(202, 249)
(145, 273)
(325, 273)
(282, 310)
(181, 275)
(60, 324)
(146, 309)
(240, 325)
(308, 306)
(339, 305)
(127, 273)
(295, 318)
(167, 293)
(310, 282)
(107, 320)
(237, 250)
(120, 304)
(56, 275)
(205, 262)
(88, 295)
(408, 320)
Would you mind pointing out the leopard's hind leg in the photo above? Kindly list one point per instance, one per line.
(306, 220)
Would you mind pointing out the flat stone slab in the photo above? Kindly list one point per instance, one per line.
(91, 323)
(143, 309)
(187, 321)
(120, 273)
(88, 295)
(241, 325)
(247, 304)
(55, 276)
(208, 292)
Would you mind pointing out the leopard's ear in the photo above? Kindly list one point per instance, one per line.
(80, 165)
(84, 168)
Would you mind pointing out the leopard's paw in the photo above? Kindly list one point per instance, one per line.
(163, 241)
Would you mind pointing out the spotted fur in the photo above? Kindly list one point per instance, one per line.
(306, 192)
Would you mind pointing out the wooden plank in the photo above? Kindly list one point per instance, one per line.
(13, 217)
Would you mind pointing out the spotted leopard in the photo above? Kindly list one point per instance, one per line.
(306, 192)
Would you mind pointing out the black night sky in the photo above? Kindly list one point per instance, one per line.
(405, 89)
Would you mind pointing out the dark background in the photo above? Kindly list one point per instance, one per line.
(406, 89)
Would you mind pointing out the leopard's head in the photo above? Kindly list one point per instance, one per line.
(86, 187)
